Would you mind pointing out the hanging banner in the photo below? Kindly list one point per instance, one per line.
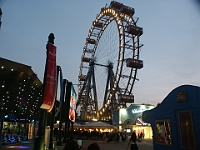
(49, 79)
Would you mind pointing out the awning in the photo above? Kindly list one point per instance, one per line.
(98, 124)
(56, 125)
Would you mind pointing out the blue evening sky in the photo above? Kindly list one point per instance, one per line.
(171, 39)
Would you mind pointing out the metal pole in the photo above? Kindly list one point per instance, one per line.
(39, 140)
(0, 17)
(51, 144)
(66, 112)
(59, 142)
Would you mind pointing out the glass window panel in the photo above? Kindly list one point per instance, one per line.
(163, 132)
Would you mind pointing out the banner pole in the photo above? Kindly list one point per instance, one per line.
(39, 140)
(59, 141)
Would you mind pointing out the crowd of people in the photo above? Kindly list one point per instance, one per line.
(73, 145)
(115, 136)
(132, 143)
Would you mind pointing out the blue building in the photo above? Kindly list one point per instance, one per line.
(175, 122)
(130, 119)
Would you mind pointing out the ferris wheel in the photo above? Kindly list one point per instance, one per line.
(109, 62)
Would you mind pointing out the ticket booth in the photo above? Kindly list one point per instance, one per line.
(175, 122)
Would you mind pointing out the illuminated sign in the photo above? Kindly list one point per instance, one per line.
(134, 111)
(72, 108)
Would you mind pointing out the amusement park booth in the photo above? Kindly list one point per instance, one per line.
(130, 119)
(175, 122)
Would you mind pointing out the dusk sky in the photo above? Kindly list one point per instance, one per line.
(171, 38)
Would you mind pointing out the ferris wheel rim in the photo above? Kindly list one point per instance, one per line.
(117, 17)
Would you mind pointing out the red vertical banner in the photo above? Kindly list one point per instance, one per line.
(50, 79)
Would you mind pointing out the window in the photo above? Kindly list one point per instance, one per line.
(163, 132)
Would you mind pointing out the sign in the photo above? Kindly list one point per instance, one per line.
(134, 111)
(126, 98)
(50, 79)
(72, 108)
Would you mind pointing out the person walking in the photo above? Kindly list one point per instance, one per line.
(132, 142)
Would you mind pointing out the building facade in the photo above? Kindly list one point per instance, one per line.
(130, 119)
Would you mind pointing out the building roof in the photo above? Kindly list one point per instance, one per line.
(20, 90)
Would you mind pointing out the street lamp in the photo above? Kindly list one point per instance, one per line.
(58, 121)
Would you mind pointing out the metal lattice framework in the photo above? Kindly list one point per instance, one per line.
(109, 62)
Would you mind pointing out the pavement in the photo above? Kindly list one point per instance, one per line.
(28, 145)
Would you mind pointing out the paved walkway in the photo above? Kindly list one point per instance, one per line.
(28, 145)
